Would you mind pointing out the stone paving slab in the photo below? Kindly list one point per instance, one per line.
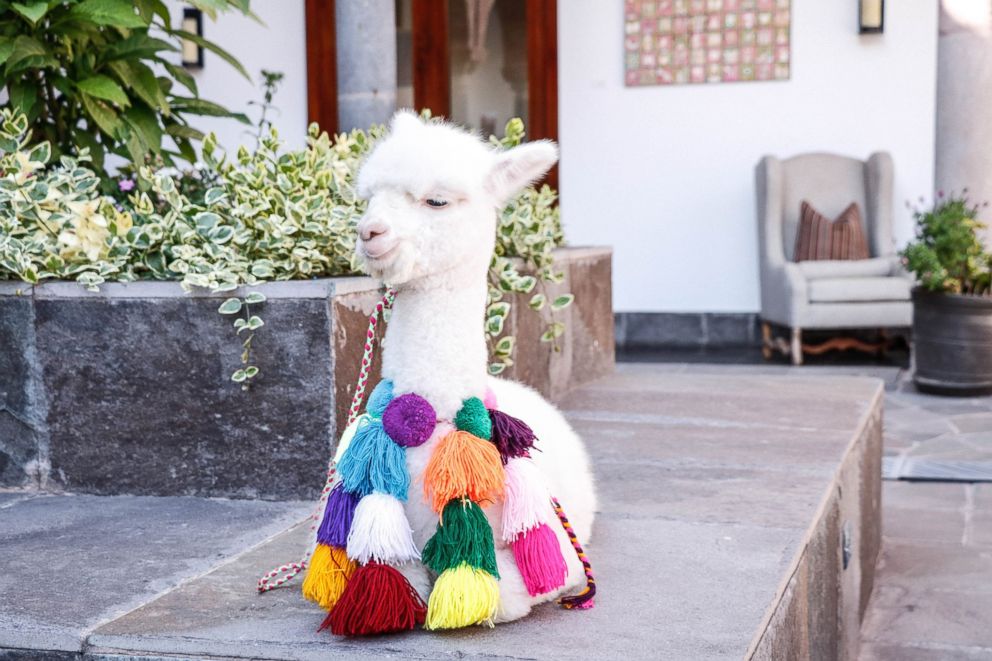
(690, 547)
(71, 563)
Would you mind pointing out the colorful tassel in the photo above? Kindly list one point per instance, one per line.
(338, 514)
(489, 399)
(474, 418)
(512, 436)
(539, 560)
(463, 596)
(409, 420)
(327, 576)
(348, 436)
(379, 398)
(463, 536)
(526, 501)
(378, 599)
(380, 532)
(463, 465)
(374, 462)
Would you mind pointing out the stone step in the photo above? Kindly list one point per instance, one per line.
(739, 518)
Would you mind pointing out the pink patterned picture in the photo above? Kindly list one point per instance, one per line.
(674, 42)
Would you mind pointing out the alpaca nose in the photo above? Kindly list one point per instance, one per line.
(372, 229)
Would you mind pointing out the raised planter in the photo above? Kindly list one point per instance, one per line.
(952, 338)
(127, 390)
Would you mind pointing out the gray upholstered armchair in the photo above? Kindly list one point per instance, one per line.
(827, 294)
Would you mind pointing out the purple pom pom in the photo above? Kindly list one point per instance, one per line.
(512, 436)
(409, 420)
(338, 514)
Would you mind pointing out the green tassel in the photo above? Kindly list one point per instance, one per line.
(463, 536)
(473, 417)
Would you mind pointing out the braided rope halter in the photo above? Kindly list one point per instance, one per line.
(289, 571)
(284, 573)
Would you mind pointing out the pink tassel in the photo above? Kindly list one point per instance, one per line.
(539, 560)
(527, 502)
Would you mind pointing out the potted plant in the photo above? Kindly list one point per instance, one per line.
(952, 305)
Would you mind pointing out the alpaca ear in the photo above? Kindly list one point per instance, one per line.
(403, 120)
(519, 167)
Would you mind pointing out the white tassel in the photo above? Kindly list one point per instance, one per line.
(527, 502)
(380, 531)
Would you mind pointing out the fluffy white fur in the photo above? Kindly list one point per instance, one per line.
(437, 258)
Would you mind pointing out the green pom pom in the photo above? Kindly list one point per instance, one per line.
(463, 536)
(474, 418)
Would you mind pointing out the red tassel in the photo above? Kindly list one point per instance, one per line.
(378, 599)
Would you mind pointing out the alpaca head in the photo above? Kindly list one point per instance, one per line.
(433, 193)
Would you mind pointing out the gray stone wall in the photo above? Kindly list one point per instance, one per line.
(128, 390)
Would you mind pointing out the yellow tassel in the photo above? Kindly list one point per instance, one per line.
(462, 596)
(327, 575)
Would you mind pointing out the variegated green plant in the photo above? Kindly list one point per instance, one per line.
(271, 215)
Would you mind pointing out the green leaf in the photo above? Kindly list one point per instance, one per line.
(145, 85)
(206, 221)
(144, 121)
(41, 153)
(102, 87)
(213, 48)
(137, 46)
(230, 306)
(33, 11)
(23, 48)
(183, 131)
(255, 297)
(239, 376)
(24, 97)
(115, 13)
(182, 76)
(562, 301)
(537, 301)
(204, 107)
(102, 114)
(6, 48)
(214, 195)
(496, 369)
(251, 371)
(505, 346)
(255, 322)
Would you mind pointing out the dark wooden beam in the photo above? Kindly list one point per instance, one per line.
(322, 65)
(542, 74)
(431, 59)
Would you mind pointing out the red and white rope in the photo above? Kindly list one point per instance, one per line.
(284, 573)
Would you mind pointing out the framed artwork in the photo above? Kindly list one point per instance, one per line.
(677, 42)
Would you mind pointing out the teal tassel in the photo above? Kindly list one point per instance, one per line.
(373, 462)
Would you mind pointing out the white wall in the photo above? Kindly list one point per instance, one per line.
(276, 44)
(666, 174)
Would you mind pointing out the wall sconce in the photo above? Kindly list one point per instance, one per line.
(192, 53)
(871, 16)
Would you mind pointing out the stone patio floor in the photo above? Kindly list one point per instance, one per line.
(933, 591)
(932, 598)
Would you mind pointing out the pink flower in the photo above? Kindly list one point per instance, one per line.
(126, 185)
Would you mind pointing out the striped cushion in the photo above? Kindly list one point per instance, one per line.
(821, 238)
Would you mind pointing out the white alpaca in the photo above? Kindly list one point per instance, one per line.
(434, 191)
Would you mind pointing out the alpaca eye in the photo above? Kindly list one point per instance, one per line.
(436, 203)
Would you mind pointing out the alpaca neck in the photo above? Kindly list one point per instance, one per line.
(435, 344)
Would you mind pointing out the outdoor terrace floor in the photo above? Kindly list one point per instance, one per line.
(714, 484)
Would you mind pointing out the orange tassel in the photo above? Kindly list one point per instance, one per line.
(463, 465)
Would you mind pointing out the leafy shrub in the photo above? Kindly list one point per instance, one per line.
(266, 215)
(91, 73)
(947, 254)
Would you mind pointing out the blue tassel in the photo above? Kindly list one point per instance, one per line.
(373, 462)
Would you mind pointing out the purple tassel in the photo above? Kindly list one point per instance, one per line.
(512, 436)
(337, 517)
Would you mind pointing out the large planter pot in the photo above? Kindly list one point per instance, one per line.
(127, 390)
(952, 343)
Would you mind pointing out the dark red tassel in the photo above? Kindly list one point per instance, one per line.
(512, 436)
(378, 599)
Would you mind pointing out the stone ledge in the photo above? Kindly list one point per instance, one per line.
(718, 537)
(127, 390)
